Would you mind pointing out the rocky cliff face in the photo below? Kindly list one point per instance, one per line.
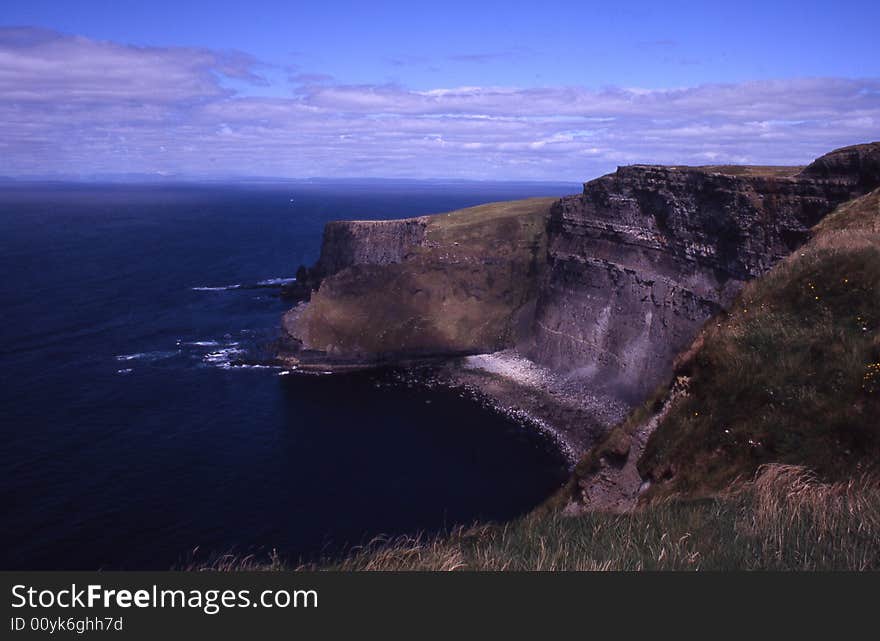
(354, 243)
(380, 242)
(643, 257)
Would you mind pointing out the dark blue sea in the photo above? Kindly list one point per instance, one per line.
(132, 440)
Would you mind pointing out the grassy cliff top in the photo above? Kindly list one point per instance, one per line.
(767, 171)
(489, 213)
(477, 230)
(477, 215)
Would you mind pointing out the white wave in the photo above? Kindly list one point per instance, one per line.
(223, 357)
(200, 343)
(124, 371)
(226, 352)
(312, 372)
(255, 366)
(216, 289)
(269, 282)
(146, 356)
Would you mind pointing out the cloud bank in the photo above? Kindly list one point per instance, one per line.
(74, 106)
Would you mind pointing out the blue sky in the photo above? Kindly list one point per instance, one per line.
(549, 90)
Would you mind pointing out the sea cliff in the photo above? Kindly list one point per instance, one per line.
(599, 291)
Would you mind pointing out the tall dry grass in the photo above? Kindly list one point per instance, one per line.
(802, 523)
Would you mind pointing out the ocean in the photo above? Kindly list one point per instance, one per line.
(132, 439)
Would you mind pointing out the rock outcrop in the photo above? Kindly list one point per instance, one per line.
(355, 243)
(378, 242)
(643, 257)
(857, 166)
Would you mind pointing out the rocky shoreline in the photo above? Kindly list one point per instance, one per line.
(572, 416)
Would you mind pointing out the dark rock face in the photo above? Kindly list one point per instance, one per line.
(641, 259)
(381, 242)
(356, 243)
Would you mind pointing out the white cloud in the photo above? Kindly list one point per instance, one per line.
(73, 105)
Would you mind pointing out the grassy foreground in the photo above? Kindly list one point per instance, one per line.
(785, 519)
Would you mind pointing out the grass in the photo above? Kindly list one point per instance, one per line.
(751, 170)
(471, 225)
(758, 171)
(785, 519)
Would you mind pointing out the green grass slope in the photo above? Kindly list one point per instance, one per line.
(791, 374)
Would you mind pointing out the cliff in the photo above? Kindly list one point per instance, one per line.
(643, 257)
(384, 291)
(604, 287)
